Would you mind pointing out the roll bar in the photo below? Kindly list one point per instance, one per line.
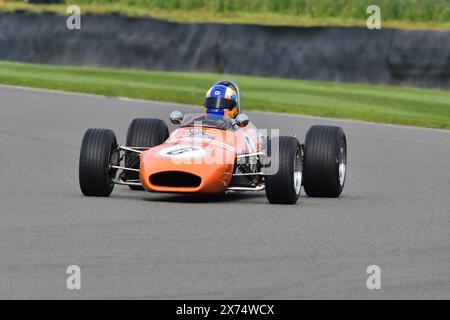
(230, 83)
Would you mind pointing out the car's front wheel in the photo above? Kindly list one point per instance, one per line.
(143, 132)
(284, 186)
(98, 151)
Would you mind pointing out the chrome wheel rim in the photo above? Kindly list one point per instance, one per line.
(297, 172)
(342, 165)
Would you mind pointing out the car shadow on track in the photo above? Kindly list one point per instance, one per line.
(188, 198)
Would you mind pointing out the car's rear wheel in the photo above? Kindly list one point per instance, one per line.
(143, 132)
(284, 186)
(98, 151)
(325, 161)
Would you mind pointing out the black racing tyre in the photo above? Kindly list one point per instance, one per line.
(325, 161)
(98, 148)
(284, 186)
(143, 132)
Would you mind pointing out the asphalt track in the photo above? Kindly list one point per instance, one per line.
(394, 213)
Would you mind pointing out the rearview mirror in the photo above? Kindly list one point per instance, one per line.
(242, 120)
(176, 117)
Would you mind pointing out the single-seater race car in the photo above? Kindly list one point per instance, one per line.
(213, 152)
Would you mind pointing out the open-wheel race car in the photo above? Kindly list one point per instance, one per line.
(213, 152)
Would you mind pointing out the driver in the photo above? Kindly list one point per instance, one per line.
(221, 103)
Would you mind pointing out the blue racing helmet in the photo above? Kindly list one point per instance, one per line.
(221, 103)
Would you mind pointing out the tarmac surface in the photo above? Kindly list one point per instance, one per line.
(394, 213)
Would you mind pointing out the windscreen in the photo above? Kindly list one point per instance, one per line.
(201, 119)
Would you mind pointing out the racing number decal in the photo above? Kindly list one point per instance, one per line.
(182, 151)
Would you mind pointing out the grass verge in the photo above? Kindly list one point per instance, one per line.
(310, 16)
(396, 105)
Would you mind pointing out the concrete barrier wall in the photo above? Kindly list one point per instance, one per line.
(388, 56)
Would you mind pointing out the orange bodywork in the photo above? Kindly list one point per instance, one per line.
(196, 160)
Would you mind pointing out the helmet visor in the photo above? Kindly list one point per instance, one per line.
(219, 103)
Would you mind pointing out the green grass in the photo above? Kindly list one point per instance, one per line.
(409, 14)
(407, 10)
(397, 105)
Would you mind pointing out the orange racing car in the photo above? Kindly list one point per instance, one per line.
(213, 152)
